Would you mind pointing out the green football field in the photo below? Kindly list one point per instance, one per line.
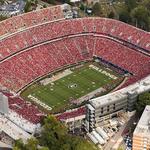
(73, 86)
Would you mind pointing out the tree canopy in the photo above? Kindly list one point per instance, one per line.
(97, 10)
(27, 7)
(2, 2)
(140, 17)
(143, 100)
(136, 12)
(54, 135)
(130, 4)
(124, 14)
(2, 17)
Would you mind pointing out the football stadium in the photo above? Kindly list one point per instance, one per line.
(49, 63)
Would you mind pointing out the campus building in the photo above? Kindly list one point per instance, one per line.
(100, 109)
(12, 9)
(141, 135)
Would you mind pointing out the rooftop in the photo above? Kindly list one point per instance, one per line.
(109, 98)
(19, 5)
(143, 126)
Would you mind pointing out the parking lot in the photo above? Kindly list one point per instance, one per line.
(128, 142)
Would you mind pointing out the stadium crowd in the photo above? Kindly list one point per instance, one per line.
(23, 68)
(63, 28)
(72, 113)
(30, 19)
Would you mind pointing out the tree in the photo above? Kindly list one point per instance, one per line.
(53, 133)
(51, 1)
(146, 3)
(2, 2)
(19, 145)
(124, 16)
(54, 136)
(32, 144)
(140, 17)
(67, 1)
(82, 7)
(44, 6)
(27, 7)
(2, 17)
(111, 15)
(44, 148)
(16, 148)
(143, 100)
(97, 9)
(130, 4)
(123, 13)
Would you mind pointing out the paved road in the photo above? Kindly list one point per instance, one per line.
(115, 141)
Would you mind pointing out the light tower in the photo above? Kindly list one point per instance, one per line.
(3, 104)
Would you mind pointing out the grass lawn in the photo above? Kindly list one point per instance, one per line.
(89, 146)
(79, 83)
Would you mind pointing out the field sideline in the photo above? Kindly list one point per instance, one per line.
(80, 82)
